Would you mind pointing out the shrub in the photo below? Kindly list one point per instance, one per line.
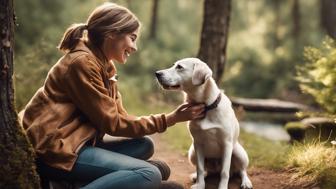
(318, 76)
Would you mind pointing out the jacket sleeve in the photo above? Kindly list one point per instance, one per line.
(85, 86)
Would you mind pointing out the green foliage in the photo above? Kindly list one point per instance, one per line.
(318, 76)
(296, 130)
(31, 70)
(263, 152)
(33, 19)
(263, 52)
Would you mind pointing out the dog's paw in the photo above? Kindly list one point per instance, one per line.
(198, 186)
(193, 177)
(246, 185)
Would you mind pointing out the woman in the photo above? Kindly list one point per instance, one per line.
(79, 103)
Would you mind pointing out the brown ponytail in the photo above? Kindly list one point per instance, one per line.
(71, 37)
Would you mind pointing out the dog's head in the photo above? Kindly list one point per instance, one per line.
(184, 74)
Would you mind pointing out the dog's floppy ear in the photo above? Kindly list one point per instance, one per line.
(201, 73)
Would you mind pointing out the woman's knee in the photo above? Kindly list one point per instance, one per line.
(147, 146)
(152, 174)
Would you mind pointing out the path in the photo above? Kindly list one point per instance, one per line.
(181, 169)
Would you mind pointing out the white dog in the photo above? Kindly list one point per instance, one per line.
(215, 145)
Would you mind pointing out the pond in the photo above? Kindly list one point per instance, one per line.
(270, 131)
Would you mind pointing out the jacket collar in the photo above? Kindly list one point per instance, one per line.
(88, 47)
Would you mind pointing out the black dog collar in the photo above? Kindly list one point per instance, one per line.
(214, 104)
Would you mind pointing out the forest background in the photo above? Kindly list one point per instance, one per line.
(266, 42)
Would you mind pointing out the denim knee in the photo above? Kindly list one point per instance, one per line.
(152, 174)
(147, 147)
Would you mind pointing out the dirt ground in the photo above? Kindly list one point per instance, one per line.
(181, 169)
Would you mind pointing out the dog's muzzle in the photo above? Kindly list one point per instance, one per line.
(164, 84)
(158, 75)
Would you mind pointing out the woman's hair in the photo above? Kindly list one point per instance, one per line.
(105, 19)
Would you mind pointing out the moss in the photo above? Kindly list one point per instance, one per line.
(296, 130)
(300, 131)
(18, 167)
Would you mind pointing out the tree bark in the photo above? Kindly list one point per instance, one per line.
(296, 21)
(214, 36)
(328, 17)
(153, 26)
(17, 157)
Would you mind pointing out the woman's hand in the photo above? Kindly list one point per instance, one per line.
(186, 112)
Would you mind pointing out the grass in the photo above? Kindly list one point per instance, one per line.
(314, 162)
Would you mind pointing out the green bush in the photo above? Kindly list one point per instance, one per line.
(318, 76)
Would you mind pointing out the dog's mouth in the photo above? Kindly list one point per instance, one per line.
(168, 87)
(166, 84)
(171, 87)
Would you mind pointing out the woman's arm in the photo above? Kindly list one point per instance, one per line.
(185, 112)
(85, 87)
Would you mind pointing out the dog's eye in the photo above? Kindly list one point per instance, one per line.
(179, 67)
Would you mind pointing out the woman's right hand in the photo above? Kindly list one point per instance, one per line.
(186, 112)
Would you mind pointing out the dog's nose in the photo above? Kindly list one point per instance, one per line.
(158, 74)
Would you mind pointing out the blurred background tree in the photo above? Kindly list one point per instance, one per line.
(328, 17)
(214, 35)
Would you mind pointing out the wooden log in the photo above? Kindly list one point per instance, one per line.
(267, 105)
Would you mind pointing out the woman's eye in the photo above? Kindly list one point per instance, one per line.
(132, 38)
(179, 67)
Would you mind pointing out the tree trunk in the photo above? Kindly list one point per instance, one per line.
(214, 36)
(153, 26)
(328, 17)
(296, 21)
(276, 24)
(17, 157)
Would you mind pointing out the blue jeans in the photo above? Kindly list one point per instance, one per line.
(111, 165)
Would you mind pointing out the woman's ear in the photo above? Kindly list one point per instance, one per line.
(201, 73)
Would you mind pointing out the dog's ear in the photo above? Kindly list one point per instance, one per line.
(201, 73)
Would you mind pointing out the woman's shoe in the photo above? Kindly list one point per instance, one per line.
(162, 166)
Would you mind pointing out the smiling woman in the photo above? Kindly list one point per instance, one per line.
(119, 47)
(79, 103)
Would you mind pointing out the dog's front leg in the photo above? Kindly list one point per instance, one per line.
(200, 183)
(226, 163)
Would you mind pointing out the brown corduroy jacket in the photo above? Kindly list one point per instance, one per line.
(80, 102)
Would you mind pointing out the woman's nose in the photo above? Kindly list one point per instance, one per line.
(134, 47)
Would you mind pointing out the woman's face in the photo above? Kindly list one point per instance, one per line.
(119, 47)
